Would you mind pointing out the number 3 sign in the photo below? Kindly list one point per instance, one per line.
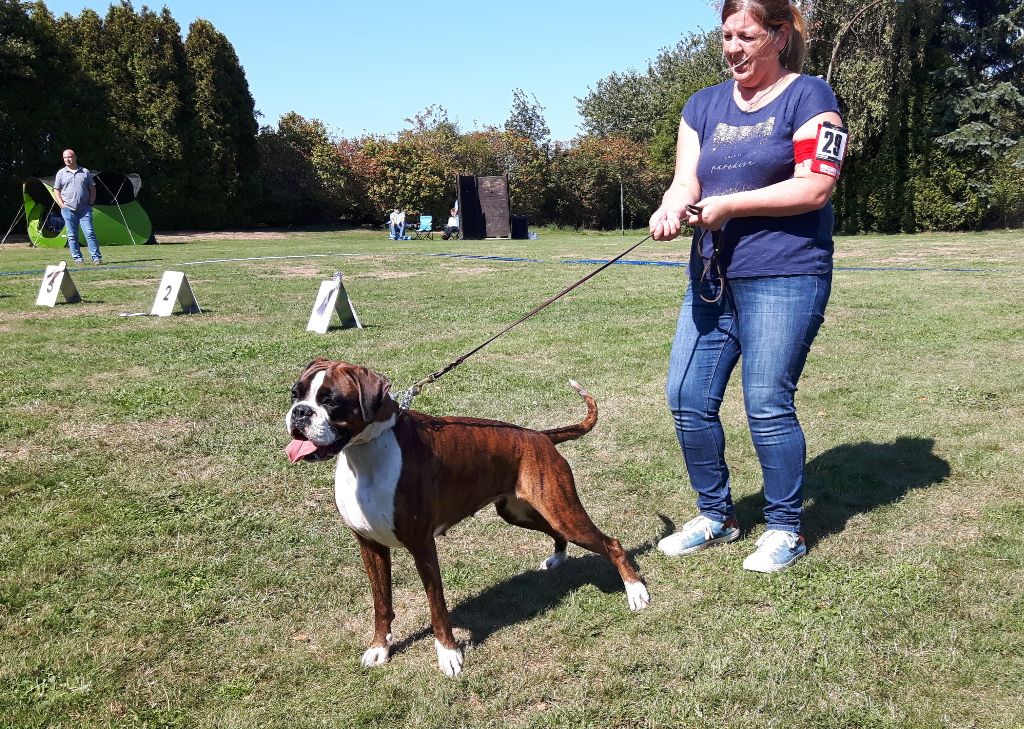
(57, 280)
(174, 289)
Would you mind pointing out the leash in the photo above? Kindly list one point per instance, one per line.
(709, 263)
(405, 399)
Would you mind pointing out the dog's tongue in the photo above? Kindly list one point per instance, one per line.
(297, 449)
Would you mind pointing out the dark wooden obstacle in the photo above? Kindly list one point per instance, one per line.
(484, 210)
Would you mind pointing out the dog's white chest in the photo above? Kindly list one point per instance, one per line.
(364, 487)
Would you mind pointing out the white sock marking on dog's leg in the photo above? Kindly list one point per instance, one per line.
(377, 655)
(449, 659)
(636, 593)
(557, 559)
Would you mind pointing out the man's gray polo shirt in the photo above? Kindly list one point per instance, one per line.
(74, 187)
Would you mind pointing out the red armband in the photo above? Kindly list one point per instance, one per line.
(826, 150)
(803, 150)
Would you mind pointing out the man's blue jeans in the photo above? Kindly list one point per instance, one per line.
(770, 323)
(72, 220)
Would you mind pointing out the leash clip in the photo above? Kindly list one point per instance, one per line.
(405, 399)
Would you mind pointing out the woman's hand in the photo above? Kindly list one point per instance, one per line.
(712, 213)
(665, 224)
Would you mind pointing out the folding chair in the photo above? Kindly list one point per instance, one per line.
(425, 229)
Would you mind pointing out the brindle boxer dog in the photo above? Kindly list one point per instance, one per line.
(404, 477)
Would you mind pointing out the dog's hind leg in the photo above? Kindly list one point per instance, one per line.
(449, 655)
(519, 513)
(558, 503)
(377, 561)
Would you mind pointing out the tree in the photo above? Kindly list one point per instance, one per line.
(222, 131)
(633, 104)
(301, 178)
(980, 100)
(585, 179)
(883, 82)
(526, 119)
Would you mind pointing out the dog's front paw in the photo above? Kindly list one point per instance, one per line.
(636, 593)
(557, 559)
(376, 656)
(448, 659)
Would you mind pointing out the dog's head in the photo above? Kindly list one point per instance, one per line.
(334, 404)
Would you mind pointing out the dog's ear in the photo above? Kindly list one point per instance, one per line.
(374, 389)
(314, 364)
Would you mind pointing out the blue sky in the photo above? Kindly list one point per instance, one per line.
(366, 67)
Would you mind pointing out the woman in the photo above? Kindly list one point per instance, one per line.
(760, 270)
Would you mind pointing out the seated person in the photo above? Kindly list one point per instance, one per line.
(453, 224)
(396, 223)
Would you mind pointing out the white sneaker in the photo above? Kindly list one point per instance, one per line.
(699, 533)
(776, 550)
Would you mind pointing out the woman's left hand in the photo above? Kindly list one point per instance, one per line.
(714, 212)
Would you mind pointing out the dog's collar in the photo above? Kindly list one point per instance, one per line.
(373, 431)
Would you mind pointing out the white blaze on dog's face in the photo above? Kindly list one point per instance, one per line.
(332, 403)
(311, 420)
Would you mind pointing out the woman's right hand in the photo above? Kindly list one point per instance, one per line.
(665, 224)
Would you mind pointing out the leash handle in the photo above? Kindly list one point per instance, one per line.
(407, 396)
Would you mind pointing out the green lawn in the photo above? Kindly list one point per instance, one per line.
(161, 564)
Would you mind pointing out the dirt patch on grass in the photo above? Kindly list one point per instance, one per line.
(387, 274)
(127, 434)
(198, 236)
(471, 271)
(21, 453)
(296, 271)
(129, 374)
(60, 311)
(140, 282)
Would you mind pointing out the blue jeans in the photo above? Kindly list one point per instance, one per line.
(397, 231)
(770, 321)
(72, 220)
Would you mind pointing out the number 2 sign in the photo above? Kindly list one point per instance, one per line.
(174, 289)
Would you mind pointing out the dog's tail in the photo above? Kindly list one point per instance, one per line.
(569, 432)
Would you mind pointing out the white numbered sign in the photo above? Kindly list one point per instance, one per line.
(331, 298)
(831, 143)
(57, 280)
(174, 289)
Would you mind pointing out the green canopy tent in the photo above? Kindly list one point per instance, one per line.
(117, 216)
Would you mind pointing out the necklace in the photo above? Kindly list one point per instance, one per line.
(763, 92)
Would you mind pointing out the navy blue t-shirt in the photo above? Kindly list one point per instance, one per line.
(741, 150)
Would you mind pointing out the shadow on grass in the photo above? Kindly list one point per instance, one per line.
(855, 479)
(527, 595)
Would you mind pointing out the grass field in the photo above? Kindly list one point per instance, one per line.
(161, 564)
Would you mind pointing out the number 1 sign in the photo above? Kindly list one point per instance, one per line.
(57, 280)
(174, 288)
(331, 298)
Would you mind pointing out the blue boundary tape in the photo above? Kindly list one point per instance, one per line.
(513, 259)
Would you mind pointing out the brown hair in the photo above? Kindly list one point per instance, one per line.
(773, 15)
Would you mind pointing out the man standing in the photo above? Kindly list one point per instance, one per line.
(75, 192)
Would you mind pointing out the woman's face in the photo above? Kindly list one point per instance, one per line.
(749, 51)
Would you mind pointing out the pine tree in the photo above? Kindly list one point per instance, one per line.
(222, 150)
